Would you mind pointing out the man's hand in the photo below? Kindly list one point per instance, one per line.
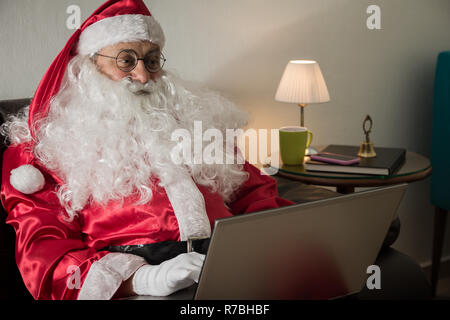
(170, 276)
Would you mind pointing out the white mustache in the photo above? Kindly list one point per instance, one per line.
(137, 87)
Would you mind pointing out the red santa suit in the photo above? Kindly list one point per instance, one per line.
(51, 250)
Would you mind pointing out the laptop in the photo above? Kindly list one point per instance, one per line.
(316, 250)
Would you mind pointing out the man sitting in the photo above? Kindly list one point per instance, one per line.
(89, 174)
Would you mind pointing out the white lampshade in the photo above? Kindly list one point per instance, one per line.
(302, 83)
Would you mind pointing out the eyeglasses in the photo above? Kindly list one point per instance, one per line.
(128, 59)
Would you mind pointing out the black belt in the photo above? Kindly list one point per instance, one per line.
(158, 252)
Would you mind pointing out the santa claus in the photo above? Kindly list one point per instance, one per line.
(88, 179)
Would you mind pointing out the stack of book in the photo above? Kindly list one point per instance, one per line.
(387, 161)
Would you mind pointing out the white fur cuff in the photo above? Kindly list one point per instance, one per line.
(122, 28)
(107, 274)
(27, 179)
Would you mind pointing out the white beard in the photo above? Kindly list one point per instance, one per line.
(106, 142)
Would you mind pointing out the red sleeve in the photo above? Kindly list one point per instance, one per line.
(258, 193)
(47, 247)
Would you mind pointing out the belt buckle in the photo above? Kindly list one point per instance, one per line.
(190, 248)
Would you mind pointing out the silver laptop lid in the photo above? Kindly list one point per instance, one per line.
(317, 250)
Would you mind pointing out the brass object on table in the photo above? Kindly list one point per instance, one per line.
(366, 150)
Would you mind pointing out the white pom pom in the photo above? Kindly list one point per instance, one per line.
(27, 179)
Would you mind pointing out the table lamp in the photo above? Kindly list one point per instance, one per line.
(303, 83)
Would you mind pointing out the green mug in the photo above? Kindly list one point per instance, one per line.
(293, 144)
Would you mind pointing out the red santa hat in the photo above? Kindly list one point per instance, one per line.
(114, 22)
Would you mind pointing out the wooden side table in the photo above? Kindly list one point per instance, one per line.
(416, 167)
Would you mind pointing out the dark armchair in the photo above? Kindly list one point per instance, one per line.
(11, 284)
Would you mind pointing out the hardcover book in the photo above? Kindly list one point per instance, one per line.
(387, 161)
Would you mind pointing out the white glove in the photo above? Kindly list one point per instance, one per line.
(170, 276)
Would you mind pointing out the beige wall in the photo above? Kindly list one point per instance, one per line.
(242, 47)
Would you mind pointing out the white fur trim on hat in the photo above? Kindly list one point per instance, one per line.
(122, 28)
(27, 179)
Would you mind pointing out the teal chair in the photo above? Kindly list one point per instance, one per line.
(440, 160)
